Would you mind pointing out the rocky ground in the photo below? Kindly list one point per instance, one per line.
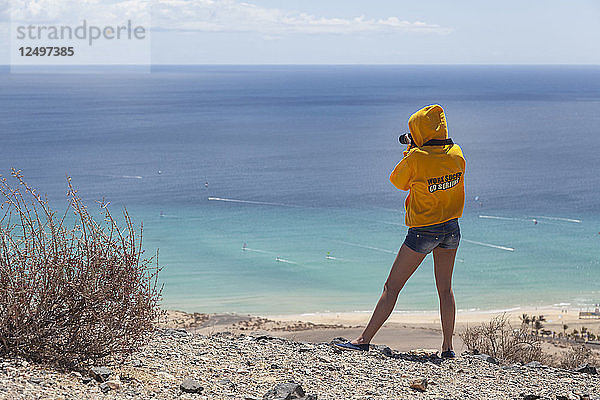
(183, 365)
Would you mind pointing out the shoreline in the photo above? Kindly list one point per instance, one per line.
(554, 313)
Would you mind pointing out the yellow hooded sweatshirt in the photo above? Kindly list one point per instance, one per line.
(434, 174)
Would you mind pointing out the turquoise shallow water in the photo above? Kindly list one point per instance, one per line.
(502, 263)
(305, 152)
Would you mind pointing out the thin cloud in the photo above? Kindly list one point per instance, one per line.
(208, 16)
(233, 16)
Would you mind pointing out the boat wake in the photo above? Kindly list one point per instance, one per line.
(576, 221)
(366, 247)
(263, 203)
(494, 246)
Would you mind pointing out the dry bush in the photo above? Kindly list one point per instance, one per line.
(498, 339)
(73, 292)
(576, 356)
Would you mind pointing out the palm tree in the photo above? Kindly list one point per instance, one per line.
(525, 319)
(541, 318)
(537, 325)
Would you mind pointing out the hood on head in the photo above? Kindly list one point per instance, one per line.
(428, 123)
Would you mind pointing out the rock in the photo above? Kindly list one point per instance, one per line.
(165, 375)
(86, 379)
(485, 357)
(287, 391)
(587, 369)
(113, 384)
(306, 348)
(385, 350)
(584, 397)
(175, 332)
(534, 364)
(136, 363)
(227, 383)
(190, 385)
(104, 388)
(426, 353)
(100, 374)
(419, 384)
(561, 397)
(338, 340)
(35, 380)
(265, 337)
(530, 396)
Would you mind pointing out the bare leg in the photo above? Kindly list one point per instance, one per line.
(443, 260)
(404, 266)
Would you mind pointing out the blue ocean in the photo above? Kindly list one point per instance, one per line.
(266, 190)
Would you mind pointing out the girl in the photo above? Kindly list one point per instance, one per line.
(432, 170)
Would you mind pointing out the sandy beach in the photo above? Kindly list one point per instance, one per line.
(402, 331)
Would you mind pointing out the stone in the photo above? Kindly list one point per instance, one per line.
(530, 396)
(561, 397)
(285, 391)
(113, 384)
(101, 374)
(306, 348)
(419, 384)
(86, 379)
(426, 353)
(587, 369)
(190, 385)
(35, 380)
(338, 340)
(165, 375)
(534, 364)
(385, 350)
(175, 332)
(227, 383)
(136, 363)
(104, 388)
(487, 358)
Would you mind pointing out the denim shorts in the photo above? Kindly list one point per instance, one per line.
(426, 238)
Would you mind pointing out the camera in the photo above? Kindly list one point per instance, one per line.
(405, 138)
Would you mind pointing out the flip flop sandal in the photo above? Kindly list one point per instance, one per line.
(448, 354)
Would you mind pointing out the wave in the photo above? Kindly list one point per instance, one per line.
(489, 245)
(366, 247)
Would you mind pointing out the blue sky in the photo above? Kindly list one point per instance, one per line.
(357, 32)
